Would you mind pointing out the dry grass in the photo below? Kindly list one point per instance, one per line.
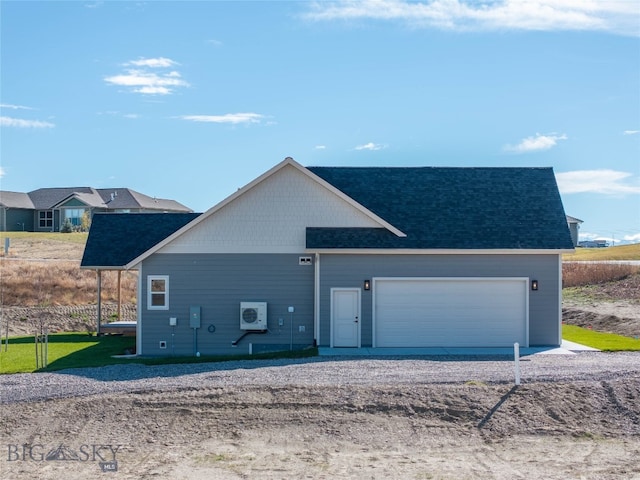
(43, 283)
(58, 246)
(620, 252)
(42, 269)
(582, 274)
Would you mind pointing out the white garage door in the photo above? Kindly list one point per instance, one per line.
(450, 312)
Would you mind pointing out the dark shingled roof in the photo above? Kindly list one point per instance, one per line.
(117, 238)
(450, 208)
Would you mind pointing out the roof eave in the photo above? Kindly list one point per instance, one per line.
(441, 251)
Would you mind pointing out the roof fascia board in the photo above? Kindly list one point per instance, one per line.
(241, 191)
(434, 251)
(98, 267)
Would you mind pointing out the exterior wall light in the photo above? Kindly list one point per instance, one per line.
(367, 284)
(534, 284)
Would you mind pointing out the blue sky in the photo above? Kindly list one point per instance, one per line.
(192, 100)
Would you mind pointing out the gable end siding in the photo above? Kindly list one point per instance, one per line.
(271, 217)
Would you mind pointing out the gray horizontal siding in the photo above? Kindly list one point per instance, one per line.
(352, 270)
(218, 283)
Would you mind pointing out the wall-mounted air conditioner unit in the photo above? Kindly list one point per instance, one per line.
(253, 315)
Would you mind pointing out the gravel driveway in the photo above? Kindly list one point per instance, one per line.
(318, 371)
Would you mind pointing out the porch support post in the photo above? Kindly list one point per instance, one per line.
(119, 296)
(99, 300)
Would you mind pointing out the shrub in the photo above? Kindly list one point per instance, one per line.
(578, 274)
(66, 227)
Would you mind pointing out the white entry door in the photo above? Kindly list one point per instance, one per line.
(345, 317)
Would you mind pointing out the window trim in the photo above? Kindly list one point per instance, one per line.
(150, 279)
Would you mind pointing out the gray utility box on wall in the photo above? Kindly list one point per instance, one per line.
(194, 317)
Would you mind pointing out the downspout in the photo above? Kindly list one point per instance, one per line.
(139, 314)
(316, 300)
(560, 299)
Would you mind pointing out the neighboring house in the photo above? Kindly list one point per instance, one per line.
(574, 226)
(352, 257)
(593, 244)
(47, 209)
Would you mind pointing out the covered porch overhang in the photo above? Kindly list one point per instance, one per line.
(120, 326)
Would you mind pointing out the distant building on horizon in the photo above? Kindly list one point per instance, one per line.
(48, 209)
(574, 226)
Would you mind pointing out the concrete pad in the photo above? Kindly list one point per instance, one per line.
(576, 347)
(567, 348)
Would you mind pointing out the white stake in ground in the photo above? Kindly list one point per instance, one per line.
(516, 359)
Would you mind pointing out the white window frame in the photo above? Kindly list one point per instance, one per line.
(150, 279)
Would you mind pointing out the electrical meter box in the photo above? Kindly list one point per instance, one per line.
(173, 321)
(194, 317)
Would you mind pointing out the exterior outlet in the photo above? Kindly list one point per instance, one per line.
(163, 344)
(301, 328)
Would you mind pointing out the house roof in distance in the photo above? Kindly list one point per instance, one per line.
(107, 198)
(449, 208)
(117, 238)
(16, 200)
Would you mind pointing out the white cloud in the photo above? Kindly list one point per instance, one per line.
(159, 62)
(321, 147)
(20, 123)
(116, 113)
(537, 143)
(232, 118)
(631, 132)
(370, 146)
(632, 238)
(146, 80)
(2, 172)
(15, 107)
(606, 182)
(614, 16)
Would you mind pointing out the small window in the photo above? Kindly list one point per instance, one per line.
(45, 219)
(158, 292)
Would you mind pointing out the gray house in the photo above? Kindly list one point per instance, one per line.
(354, 257)
(47, 209)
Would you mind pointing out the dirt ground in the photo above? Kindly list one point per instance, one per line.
(583, 430)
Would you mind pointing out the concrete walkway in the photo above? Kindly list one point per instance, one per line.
(567, 348)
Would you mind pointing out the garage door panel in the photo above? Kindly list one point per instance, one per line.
(450, 312)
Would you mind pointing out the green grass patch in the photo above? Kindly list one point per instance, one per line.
(608, 342)
(65, 350)
(75, 237)
(79, 350)
(622, 252)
